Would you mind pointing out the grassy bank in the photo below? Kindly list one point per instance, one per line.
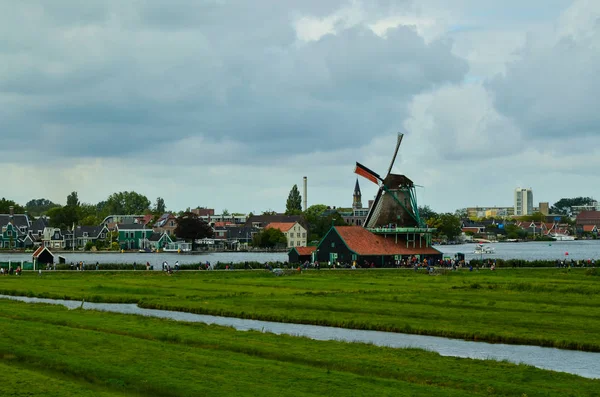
(48, 348)
(546, 307)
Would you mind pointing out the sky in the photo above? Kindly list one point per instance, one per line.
(227, 104)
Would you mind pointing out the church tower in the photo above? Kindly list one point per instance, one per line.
(356, 202)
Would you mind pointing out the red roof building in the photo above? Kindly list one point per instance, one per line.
(355, 244)
(588, 218)
(301, 254)
(590, 229)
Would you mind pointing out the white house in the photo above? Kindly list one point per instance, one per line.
(294, 232)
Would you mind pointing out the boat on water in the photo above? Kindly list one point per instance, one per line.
(178, 247)
(562, 237)
(482, 249)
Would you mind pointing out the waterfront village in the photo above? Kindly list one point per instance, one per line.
(392, 228)
(303, 231)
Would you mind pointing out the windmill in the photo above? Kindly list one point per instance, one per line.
(396, 201)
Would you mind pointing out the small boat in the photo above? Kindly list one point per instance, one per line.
(562, 237)
(178, 247)
(481, 249)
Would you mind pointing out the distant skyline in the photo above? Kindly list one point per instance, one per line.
(228, 104)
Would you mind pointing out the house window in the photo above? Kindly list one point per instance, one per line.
(303, 235)
(292, 243)
(172, 223)
(9, 233)
(298, 243)
(332, 245)
(103, 235)
(353, 257)
(85, 234)
(298, 235)
(39, 233)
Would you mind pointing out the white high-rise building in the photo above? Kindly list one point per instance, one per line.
(523, 201)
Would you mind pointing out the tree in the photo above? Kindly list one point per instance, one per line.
(563, 206)
(127, 203)
(225, 212)
(63, 217)
(72, 200)
(320, 225)
(461, 213)
(535, 217)
(447, 224)
(427, 213)
(90, 220)
(191, 227)
(37, 207)
(514, 232)
(160, 207)
(6, 204)
(314, 211)
(269, 238)
(293, 205)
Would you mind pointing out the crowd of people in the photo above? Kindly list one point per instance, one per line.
(10, 271)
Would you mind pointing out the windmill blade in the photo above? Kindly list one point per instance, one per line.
(367, 173)
(374, 211)
(400, 136)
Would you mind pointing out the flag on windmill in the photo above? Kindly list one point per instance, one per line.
(367, 173)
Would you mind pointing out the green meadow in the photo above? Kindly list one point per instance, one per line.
(52, 351)
(546, 307)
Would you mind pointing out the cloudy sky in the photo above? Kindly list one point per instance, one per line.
(228, 103)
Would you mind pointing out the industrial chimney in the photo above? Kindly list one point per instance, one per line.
(304, 197)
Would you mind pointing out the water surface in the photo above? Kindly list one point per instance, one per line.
(585, 364)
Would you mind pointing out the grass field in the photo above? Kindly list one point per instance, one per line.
(51, 351)
(548, 307)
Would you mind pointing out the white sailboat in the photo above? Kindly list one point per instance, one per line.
(482, 249)
(562, 237)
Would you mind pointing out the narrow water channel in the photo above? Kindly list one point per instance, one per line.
(580, 363)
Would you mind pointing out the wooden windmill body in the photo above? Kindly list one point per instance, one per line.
(395, 209)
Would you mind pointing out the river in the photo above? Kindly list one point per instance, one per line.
(571, 361)
(577, 250)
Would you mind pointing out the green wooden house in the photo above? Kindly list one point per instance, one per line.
(133, 236)
(11, 237)
(158, 241)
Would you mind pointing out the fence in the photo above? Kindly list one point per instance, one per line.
(25, 265)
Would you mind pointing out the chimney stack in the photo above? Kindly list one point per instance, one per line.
(12, 213)
(305, 188)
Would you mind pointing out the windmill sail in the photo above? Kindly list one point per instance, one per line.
(400, 136)
(374, 211)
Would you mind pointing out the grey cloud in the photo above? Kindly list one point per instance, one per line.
(552, 90)
(241, 76)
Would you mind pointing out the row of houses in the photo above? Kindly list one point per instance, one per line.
(19, 231)
(232, 236)
(491, 228)
(140, 232)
